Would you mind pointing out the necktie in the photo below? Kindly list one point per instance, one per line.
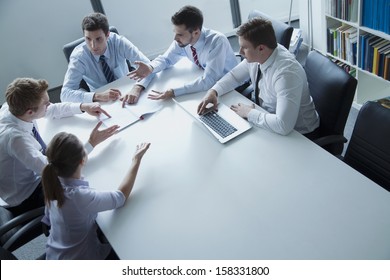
(257, 89)
(106, 69)
(39, 139)
(195, 56)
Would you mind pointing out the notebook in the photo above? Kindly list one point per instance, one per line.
(223, 125)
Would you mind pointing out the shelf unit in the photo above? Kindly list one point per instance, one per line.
(370, 86)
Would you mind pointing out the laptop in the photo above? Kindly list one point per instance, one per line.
(224, 124)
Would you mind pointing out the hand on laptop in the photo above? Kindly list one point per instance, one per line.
(242, 110)
(211, 97)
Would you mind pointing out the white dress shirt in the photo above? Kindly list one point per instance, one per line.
(284, 92)
(215, 55)
(73, 233)
(21, 159)
(84, 65)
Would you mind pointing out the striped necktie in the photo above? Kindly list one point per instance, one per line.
(106, 69)
(38, 137)
(195, 56)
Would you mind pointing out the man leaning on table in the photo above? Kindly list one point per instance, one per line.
(279, 80)
(99, 60)
(22, 150)
(208, 49)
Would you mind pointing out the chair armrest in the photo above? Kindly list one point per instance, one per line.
(239, 56)
(330, 139)
(247, 92)
(21, 219)
(340, 157)
(27, 233)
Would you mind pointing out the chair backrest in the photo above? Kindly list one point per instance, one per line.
(15, 231)
(369, 148)
(332, 90)
(283, 31)
(6, 255)
(69, 47)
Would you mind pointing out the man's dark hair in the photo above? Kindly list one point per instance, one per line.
(190, 16)
(258, 31)
(95, 21)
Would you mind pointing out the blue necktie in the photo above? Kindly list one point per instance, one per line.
(106, 69)
(39, 139)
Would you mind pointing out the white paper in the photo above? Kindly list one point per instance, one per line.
(131, 113)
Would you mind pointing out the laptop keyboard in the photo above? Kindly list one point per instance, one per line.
(218, 124)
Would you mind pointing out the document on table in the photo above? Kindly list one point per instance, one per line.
(131, 113)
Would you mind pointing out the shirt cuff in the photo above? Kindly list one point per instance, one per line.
(154, 66)
(75, 108)
(253, 115)
(146, 81)
(218, 89)
(88, 147)
(178, 91)
(88, 97)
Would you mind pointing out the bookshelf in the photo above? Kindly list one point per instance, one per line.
(356, 34)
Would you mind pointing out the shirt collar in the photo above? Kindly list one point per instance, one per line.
(25, 126)
(73, 183)
(106, 54)
(199, 45)
(270, 60)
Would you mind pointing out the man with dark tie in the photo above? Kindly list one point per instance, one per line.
(208, 49)
(279, 80)
(99, 60)
(22, 149)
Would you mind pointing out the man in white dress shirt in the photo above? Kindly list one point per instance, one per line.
(208, 49)
(22, 150)
(280, 83)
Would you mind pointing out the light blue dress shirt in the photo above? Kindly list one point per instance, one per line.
(215, 55)
(84, 65)
(73, 233)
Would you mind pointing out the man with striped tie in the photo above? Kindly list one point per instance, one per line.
(22, 149)
(208, 49)
(99, 60)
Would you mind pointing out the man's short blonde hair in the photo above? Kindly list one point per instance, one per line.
(24, 94)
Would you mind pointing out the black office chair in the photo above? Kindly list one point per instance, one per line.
(15, 231)
(283, 33)
(332, 90)
(69, 47)
(20, 231)
(368, 150)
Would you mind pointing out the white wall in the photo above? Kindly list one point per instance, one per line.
(317, 39)
(32, 35)
(278, 9)
(150, 29)
(34, 31)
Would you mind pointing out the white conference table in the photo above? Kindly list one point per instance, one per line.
(259, 196)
